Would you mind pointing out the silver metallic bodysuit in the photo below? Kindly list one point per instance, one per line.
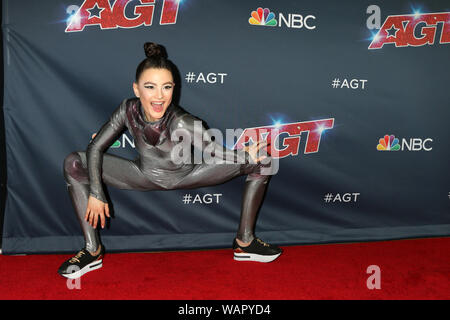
(85, 172)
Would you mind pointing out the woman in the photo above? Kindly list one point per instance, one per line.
(151, 118)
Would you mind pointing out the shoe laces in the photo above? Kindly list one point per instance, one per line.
(77, 257)
(262, 242)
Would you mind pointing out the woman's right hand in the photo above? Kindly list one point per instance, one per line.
(96, 209)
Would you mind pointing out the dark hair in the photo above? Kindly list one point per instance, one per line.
(156, 58)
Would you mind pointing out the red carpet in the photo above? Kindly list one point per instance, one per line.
(410, 269)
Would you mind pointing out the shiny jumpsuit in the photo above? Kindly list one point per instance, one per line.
(85, 171)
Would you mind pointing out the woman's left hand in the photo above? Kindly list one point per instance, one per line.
(253, 150)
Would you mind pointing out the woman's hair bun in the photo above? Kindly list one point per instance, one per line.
(154, 50)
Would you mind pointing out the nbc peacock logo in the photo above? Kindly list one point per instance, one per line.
(120, 142)
(388, 143)
(262, 17)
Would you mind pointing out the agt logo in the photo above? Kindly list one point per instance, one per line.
(101, 13)
(391, 143)
(284, 139)
(409, 30)
(263, 17)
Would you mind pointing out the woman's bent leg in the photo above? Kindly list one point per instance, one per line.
(77, 180)
(117, 172)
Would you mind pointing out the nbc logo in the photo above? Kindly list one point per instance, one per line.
(391, 143)
(388, 143)
(121, 142)
(264, 17)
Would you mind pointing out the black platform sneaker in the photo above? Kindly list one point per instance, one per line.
(257, 250)
(81, 263)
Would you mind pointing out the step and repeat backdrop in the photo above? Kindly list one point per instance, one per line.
(360, 90)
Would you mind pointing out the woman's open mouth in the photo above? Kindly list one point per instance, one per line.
(157, 106)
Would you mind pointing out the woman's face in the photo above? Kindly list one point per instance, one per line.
(154, 89)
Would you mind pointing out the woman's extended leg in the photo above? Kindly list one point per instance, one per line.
(255, 187)
(256, 183)
(252, 198)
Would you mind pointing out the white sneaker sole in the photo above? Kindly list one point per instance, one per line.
(94, 265)
(243, 256)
